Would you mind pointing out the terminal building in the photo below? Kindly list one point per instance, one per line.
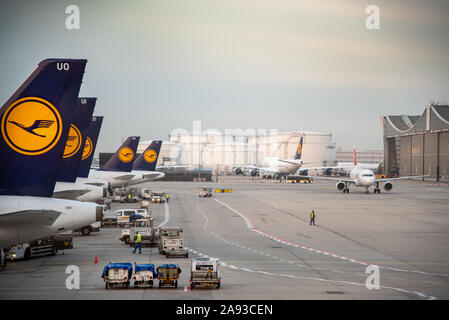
(221, 151)
(417, 144)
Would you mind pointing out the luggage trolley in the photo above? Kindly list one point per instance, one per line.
(117, 274)
(168, 275)
(144, 275)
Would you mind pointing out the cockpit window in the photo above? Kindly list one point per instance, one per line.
(367, 175)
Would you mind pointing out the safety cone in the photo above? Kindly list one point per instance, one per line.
(96, 259)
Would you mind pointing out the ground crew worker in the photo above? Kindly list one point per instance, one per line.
(129, 197)
(167, 196)
(138, 243)
(312, 217)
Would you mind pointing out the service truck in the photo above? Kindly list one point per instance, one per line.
(171, 242)
(32, 249)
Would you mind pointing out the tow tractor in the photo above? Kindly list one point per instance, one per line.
(205, 193)
(171, 242)
(205, 273)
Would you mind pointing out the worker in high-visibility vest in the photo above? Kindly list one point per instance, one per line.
(312, 217)
(167, 196)
(138, 243)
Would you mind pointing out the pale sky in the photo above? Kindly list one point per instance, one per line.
(158, 65)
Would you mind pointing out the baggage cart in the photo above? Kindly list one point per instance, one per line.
(117, 274)
(168, 275)
(144, 275)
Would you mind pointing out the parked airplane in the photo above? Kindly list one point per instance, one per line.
(117, 170)
(361, 177)
(66, 186)
(145, 165)
(34, 125)
(277, 166)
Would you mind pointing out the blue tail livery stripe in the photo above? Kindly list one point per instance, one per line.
(35, 122)
(76, 139)
(123, 158)
(89, 146)
(299, 149)
(148, 159)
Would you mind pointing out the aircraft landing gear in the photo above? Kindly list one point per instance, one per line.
(377, 189)
(346, 190)
(367, 190)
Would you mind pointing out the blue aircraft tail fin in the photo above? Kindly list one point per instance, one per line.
(89, 146)
(75, 141)
(299, 150)
(148, 159)
(35, 123)
(123, 158)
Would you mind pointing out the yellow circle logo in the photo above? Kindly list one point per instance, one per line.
(126, 154)
(73, 143)
(31, 126)
(150, 156)
(87, 149)
(299, 148)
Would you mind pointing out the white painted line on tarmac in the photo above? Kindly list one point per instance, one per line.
(167, 216)
(250, 225)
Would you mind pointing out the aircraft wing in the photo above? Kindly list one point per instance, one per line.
(124, 177)
(31, 217)
(330, 178)
(70, 194)
(174, 166)
(400, 178)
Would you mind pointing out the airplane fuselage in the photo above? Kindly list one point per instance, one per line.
(29, 218)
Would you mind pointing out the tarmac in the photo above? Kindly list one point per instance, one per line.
(267, 248)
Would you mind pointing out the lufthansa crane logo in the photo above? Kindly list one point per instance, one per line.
(87, 149)
(73, 143)
(299, 148)
(31, 126)
(150, 156)
(126, 154)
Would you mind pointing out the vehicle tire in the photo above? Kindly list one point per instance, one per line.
(218, 285)
(192, 286)
(187, 255)
(126, 240)
(176, 283)
(53, 251)
(160, 284)
(86, 231)
(106, 285)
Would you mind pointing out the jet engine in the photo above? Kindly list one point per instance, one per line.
(388, 186)
(340, 185)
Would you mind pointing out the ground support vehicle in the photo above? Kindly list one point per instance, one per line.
(171, 239)
(109, 220)
(64, 240)
(205, 193)
(205, 273)
(150, 236)
(144, 275)
(168, 275)
(117, 274)
(87, 230)
(32, 249)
